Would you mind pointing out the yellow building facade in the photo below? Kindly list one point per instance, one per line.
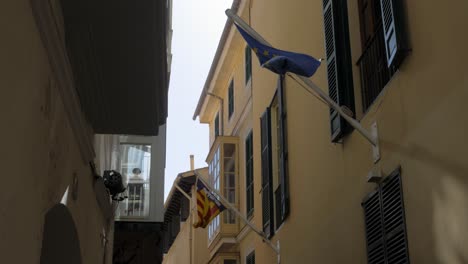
(312, 184)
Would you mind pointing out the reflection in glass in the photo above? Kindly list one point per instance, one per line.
(135, 166)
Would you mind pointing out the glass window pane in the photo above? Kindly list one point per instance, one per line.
(135, 167)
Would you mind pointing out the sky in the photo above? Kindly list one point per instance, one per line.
(197, 27)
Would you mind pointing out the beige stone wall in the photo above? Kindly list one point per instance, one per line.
(180, 249)
(39, 153)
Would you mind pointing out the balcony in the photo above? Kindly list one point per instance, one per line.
(223, 176)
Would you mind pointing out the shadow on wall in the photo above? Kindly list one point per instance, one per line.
(60, 243)
(443, 185)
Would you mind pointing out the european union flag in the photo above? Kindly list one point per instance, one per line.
(280, 61)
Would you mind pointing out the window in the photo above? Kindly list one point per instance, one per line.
(229, 180)
(214, 171)
(216, 126)
(249, 175)
(275, 191)
(231, 99)
(275, 155)
(339, 70)
(223, 173)
(135, 166)
(250, 259)
(248, 64)
(385, 222)
(375, 67)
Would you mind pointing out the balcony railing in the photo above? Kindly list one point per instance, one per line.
(374, 71)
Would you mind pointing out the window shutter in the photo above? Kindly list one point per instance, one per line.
(248, 64)
(339, 68)
(231, 98)
(394, 220)
(267, 196)
(216, 126)
(283, 159)
(374, 226)
(249, 174)
(396, 43)
(250, 259)
(385, 223)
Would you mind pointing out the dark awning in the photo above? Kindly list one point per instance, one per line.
(118, 53)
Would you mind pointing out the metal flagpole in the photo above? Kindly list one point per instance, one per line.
(353, 122)
(234, 209)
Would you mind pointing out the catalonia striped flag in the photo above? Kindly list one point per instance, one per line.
(208, 206)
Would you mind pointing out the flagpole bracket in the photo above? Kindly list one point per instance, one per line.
(375, 148)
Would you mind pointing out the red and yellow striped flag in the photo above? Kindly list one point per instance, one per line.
(208, 206)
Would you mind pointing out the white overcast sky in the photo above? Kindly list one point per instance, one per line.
(197, 28)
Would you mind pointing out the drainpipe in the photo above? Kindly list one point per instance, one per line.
(221, 132)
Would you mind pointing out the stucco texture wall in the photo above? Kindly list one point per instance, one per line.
(39, 153)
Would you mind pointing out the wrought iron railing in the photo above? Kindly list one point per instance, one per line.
(373, 66)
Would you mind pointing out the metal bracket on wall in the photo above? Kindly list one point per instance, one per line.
(375, 148)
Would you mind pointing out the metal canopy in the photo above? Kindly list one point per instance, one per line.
(118, 53)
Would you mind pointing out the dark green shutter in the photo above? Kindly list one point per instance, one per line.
(216, 126)
(396, 43)
(249, 174)
(339, 68)
(283, 155)
(250, 259)
(393, 213)
(374, 228)
(385, 223)
(231, 98)
(267, 195)
(248, 64)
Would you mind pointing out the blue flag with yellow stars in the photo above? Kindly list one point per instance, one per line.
(280, 61)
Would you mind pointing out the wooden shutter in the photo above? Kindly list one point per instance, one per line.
(231, 98)
(283, 155)
(374, 228)
(385, 223)
(267, 195)
(216, 126)
(248, 64)
(250, 259)
(249, 174)
(339, 68)
(396, 43)
(394, 220)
